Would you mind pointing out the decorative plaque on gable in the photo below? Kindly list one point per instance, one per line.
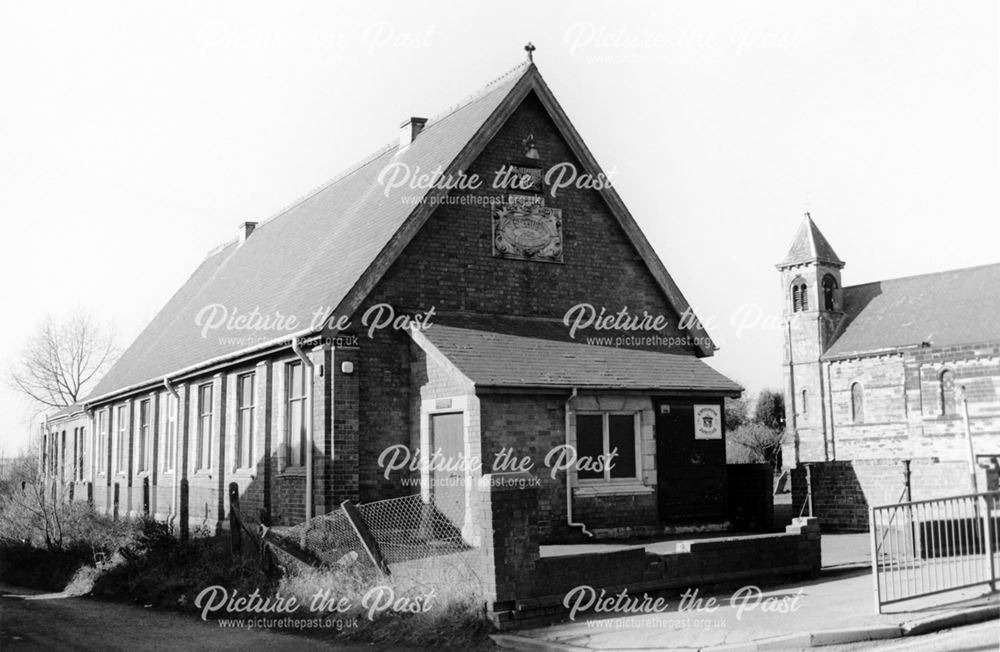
(527, 231)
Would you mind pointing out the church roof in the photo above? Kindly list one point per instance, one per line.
(516, 359)
(942, 309)
(328, 250)
(810, 245)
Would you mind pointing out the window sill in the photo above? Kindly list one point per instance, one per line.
(612, 489)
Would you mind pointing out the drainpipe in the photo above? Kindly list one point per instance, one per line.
(174, 499)
(569, 488)
(307, 365)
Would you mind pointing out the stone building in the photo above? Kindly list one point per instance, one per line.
(878, 370)
(455, 296)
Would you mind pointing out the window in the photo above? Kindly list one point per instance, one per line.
(800, 295)
(143, 435)
(244, 421)
(295, 431)
(170, 434)
(203, 453)
(605, 446)
(120, 447)
(102, 440)
(948, 393)
(79, 454)
(829, 287)
(76, 452)
(805, 401)
(857, 403)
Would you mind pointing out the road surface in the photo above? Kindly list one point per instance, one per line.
(31, 624)
(984, 637)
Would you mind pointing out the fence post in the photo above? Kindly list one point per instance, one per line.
(988, 538)
(873, 540)
(234, 518)
(364, 534)
(809, 488)
(184, 509)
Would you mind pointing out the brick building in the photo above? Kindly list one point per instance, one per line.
(876, 371)
(382, 314)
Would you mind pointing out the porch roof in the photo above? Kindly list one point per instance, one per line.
(494, 359)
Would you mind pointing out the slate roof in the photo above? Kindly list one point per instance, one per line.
(67, 411)
(503, 359)
(810, 245)
(959, 306)
(306, 258)
(325, 251)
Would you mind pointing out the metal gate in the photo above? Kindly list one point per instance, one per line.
(932, 546)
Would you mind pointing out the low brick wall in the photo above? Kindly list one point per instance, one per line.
(522, 588)
(796, 552)
(842, 491)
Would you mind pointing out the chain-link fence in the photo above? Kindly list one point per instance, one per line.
(395, 534)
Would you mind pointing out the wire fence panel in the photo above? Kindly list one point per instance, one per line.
(932, 546)
(410, 528)
(411, 534)
(329, 537)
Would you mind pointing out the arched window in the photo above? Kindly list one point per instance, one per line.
(948, 392)
(857, 403)
(800, 295)
(805, 401)
(829, 286)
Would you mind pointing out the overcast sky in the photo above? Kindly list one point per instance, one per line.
(135, 136)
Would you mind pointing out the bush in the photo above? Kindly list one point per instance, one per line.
(754, 443)
(452, 615)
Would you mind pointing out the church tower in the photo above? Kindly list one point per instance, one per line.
(810, 285)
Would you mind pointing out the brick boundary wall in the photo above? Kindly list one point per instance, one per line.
(842, 491)
(522, 588)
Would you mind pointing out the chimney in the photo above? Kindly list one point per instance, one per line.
(409, 129)
(245, 229)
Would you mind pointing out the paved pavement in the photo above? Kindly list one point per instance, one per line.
(838, 607)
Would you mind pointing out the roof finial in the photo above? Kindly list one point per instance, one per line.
(530, 48)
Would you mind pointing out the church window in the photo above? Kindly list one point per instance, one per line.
(800, 295)
(829, 286)
(805, 401)
(857, 403)
(948, 393)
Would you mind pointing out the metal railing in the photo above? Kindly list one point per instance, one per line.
(926, 547)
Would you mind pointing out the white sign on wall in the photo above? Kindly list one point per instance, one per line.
(707, 422)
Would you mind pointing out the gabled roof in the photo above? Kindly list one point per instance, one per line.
(325, 253)
(501, 359)
(65, 412)
(810, 245)
(959, 306)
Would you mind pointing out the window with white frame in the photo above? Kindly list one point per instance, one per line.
(143, 439)
(78, 449)
(204, 441)
(121, 447)
(607, 446)
(102, 440)
(170, 434)
(244, 421)
(295, 431)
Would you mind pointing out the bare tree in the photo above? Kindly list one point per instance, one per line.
(62, 360)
